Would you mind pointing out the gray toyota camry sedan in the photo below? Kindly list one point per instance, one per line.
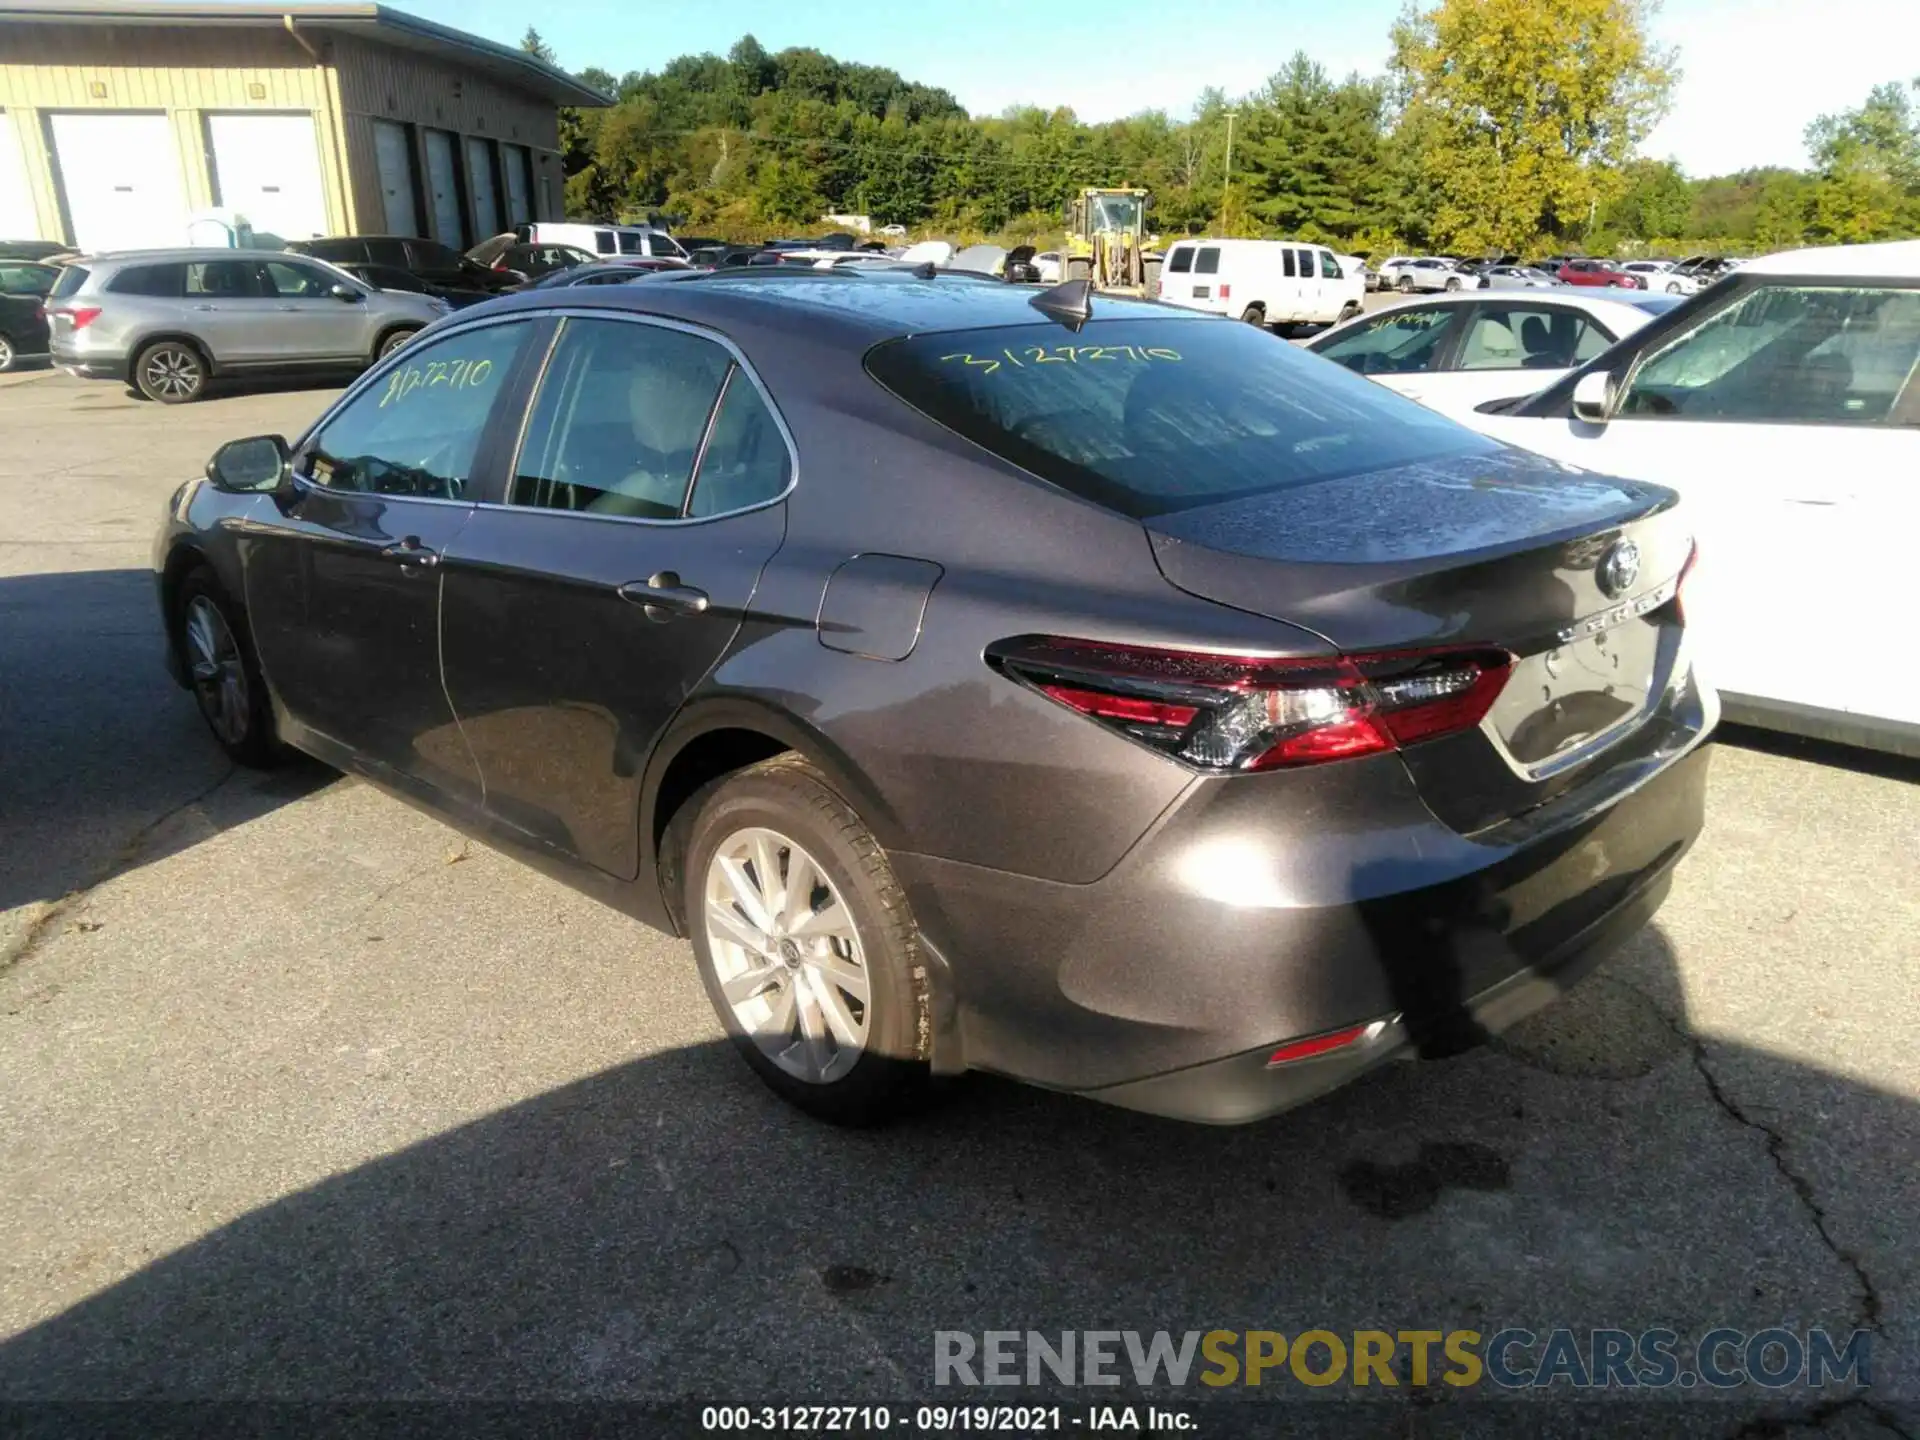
(1099, 694)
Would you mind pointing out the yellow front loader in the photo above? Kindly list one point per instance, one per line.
(1106, 240)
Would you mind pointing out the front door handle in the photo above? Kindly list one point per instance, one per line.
(412, 555)
(662, 596)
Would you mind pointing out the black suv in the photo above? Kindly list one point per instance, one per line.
(440, 266)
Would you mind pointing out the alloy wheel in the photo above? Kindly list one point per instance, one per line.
(218, 674)
(787, 955)
(171, 370)
(6, 353)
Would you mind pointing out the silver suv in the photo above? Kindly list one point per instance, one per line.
(168, 320)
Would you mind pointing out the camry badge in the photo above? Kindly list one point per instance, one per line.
(1619, 568)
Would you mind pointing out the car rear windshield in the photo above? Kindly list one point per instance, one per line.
(71, 278)
(1147, 417)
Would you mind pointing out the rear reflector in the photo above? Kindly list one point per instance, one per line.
(1318, 1045)
(1233, 712)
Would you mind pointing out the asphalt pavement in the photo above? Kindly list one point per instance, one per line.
(303, 1095)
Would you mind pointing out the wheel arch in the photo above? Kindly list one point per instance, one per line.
(388, 331)
(178, 337)
(711, 740)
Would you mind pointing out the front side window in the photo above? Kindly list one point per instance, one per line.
(1180, 262)
(1400, 342)
(619, 420)
(1208, 261)
(1530, 337)
(1329, 267)
(1830, 355)
(1147, 417)
(297, 282)
(414, 431)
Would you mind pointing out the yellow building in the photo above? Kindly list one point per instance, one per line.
(120, 123)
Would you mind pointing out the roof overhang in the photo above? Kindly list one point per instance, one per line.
(504, 63)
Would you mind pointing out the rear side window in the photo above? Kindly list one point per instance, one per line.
(1286, 268)
(619, 420)
(386, 252)
(1151, 416)
(1208, 261)
(632, 244)
(746, 461)
(164, 281)
(1181, 261)
(24, 279)
(72, 277)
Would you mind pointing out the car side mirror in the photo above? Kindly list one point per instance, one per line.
(347, 293)
(1593, 397)
(258, 465)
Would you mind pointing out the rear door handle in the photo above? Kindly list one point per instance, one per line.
(662, 596)
(412, 555)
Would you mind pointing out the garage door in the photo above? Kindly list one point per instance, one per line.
(443, 188)
(17, 220)
(120, 176)
(486, 203)
(513, 160)
(393, 154)
(267, 167)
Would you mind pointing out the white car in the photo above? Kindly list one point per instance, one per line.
(1050, 264)
(1662, 277)
(1783, 404)
(1264, 282)
(1431, 272)
(1452, 352)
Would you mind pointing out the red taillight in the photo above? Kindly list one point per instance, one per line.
(1234, 712)
(1318, 1045)
(1226, 292)
(80, 316)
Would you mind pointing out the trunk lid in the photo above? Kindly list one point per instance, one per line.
(1506, 549)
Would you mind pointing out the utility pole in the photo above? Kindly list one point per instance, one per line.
(1226, 185)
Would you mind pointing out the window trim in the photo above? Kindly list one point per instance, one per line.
(740, 366)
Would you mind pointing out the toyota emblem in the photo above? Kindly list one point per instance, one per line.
(1619, 568)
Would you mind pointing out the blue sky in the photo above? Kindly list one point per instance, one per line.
(1755, 71)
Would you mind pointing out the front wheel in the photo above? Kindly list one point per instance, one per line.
(213, 643)
(393, 342)
(806, 946)
(6, 354)
(1453, 282)
(1673, 287)
(1404, 285)
(171, 372)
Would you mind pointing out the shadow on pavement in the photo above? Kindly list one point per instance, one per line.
(666, 1230)
(97, 744)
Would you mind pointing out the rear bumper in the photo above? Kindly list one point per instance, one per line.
(90, 366)
(1263, 909)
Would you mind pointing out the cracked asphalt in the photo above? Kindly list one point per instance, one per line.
(303, 1096)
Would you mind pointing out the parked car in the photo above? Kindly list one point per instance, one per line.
(608, 272)
(1434, 272)
(1354, 265)
(1264, 282)
(168, 321)
(1177, 740)
(24, 285)
(1662, 275)
(1050, 266)
(1387, 275)
(522, 262)
(602, 240)
(1784, 404)
(892, 231)
(41, 250)
(1703, 270)
(1602, 273)
(1518, 277)
(439, 265)
(1455, 352)
(386, 277)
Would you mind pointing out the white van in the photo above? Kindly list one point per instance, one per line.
(601, 239)
(1264, 282)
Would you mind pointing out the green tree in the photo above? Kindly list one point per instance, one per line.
(1534, 105)
(1657, 201)
(536, 47)
(1311, 152)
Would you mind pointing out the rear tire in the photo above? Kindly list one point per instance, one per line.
(213, 642)
(824, 993)
(1453, 282)
(171, 372)
(6, 354)
(1255, 315)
